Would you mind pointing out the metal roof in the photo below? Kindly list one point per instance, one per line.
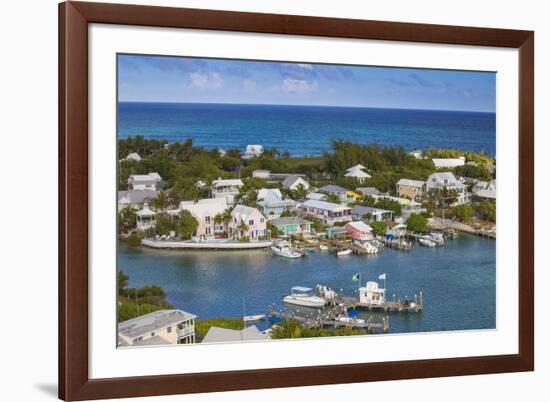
(153, 321)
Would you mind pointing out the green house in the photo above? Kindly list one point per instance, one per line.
(291, 225)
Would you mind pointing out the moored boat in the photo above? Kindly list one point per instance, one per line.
(427, 243)
(283, 249)
(302, 296)
(341, 253)
(323, 247)
(256, 317)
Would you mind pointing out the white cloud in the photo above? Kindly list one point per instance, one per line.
(249, 85)
(208, 81)
(292, 86)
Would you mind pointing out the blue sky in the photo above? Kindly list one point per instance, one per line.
(181, 79)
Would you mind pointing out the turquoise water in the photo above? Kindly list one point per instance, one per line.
(306, 130)
(457, 280)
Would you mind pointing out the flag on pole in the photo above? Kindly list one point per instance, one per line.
(356, 277)
(383, 276)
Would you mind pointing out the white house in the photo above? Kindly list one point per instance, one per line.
(484, 189)
(358, 173)
(377, 214)
(261, 174)
(417, 153)
(247, 222)
(135, 198)
(316, 196)
(413, 189)
(372, 295)
(204, 211)
(226, 188)
(133, 156)
(447, 180)
(145, 218)
(327, 212)
(163, 327)
(448, 163)
(151, 181)
(293, 182)
(272, 202)
(337, 191)
(253, 151)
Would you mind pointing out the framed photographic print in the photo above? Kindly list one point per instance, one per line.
(258, 200)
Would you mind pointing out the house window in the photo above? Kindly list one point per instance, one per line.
(207, 219)
(169, 330)
(138, 339)
(251, 222)
(152, 334)
(262, 220)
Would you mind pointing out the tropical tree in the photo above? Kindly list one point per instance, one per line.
(126, 219)
(186, 225)
(379, 228)
(417, 223)
(463, 213)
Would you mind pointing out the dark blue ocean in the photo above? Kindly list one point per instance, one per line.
(306, 130)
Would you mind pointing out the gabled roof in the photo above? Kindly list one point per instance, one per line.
(368, 190)
(358, 166)
(263, 193)
(333, 189)
(410, 183)
(151, 177)
(216, 334)
(357, 173)
(361, 210)
(360, 226)
(289, 220)
(316, 196)
(204, 207)
(242, 212)
(137, 196)
(290, 180)
(153, 321)
(441, 177)
(145, 211)
(227, 182)
(328, 206)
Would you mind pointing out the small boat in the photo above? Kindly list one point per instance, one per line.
(323, 247)
(346, 251)
(367, 246)
(251, 318)
(346, 320)
(302, 296)
(427, 243)
(283, 249)
(437, 238)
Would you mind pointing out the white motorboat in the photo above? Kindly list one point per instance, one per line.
(346, 251)
(302, 296)
(251, 318)
(427, 243)
(437, 238)
(323, 247)
(367, 246)
(283, 249)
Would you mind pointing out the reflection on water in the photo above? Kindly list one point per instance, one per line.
(457, 280)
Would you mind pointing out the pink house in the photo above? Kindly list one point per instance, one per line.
(359, 230)
(247, 222)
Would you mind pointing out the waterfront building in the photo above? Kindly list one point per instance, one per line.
(370, 191)
(163, 327)
(395, 230)
(252, 333)
(294, 181)
(372, 295)
(291, 225)
(151, 181)
(358, 173)
(247, 222)
(359, 230)
(327, 212)
(135, 198)
(336, 232)
(205, 211)
(358, 212)
(253, 151)
(316, 196)
(447, 180)
(272, 202)
(448, 163)
(226, 188)
(132, 156)
(145, 218)
(412, 189)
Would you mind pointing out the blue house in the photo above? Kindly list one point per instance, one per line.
(272, 203)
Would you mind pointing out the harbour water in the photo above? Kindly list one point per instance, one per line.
(457, 280)
(306, 130)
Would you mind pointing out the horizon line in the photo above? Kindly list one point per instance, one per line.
(303, 105)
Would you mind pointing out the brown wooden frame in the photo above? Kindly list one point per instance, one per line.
(74, 17)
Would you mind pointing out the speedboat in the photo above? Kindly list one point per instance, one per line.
(437, 238)
(283, 249)
(346, 251)
(427, 243)
(301, 296)
(251, 318)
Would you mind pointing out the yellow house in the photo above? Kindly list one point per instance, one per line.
(353, 194)
(163, 327)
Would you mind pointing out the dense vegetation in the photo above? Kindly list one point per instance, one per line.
(292, 329)
(133, 302)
